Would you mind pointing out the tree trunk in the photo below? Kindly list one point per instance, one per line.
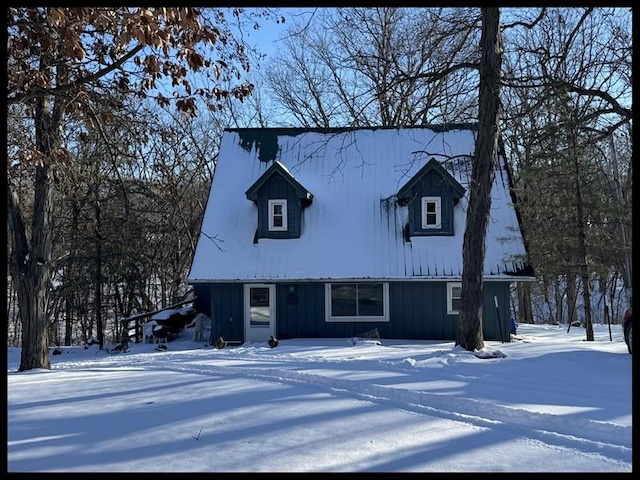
(30, 262)
(31, 271)
(470, 336)
(626, 263)
(559, 295)
(98, 262)
(68, 321)
(572, 296)
(525, 315)
(582, 251)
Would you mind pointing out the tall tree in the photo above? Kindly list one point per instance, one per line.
(60, 62)
(377, 66)
(567, 86)
(485, 158)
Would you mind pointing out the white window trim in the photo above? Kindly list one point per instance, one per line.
(272, 204)
(438, 202)
(450, 287)
(383, 318)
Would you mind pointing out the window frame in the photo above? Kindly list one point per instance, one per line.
(438, 206)
(359, 318)
(450, 297)
(271, 206)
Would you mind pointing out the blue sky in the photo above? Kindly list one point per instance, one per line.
(265, 38)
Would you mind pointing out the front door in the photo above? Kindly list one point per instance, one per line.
(259, 312)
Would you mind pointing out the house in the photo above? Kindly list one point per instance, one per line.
(334, 232)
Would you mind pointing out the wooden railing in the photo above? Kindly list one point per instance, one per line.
(140, 318)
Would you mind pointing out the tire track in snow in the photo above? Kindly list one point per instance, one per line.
(601, 438)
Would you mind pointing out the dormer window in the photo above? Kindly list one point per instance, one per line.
(278, 215)
(431, 212)
(430, 197)
(280, 200)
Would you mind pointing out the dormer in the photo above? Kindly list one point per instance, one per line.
(280, 199)
(430, 196)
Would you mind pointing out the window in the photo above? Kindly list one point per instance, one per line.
(431, 212)
(359, 302)
(453, 298)
(259, 310)
(278, 215)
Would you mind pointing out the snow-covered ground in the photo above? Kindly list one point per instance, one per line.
(549, 402)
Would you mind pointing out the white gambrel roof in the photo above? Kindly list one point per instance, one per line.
(353, 228)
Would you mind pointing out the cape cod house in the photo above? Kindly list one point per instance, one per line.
(334, 232)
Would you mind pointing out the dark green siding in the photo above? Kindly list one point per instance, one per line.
(227, 306)
(277, 188)
(202, 303)
(222, 302)
(418, 311)
(304, 318)
(491, 329)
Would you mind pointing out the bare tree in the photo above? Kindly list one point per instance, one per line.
(60, 60)
(378, 66)
(485, 159)
(571, 73)
(152, 198)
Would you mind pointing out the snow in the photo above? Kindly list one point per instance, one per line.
(547, 402)
(164, 314)
(353, 228)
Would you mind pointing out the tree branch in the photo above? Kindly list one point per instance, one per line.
(37, 91)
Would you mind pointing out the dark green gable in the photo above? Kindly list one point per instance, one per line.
(276, 183)
(432, 180)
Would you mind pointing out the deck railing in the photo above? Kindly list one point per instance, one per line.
(132, 326)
